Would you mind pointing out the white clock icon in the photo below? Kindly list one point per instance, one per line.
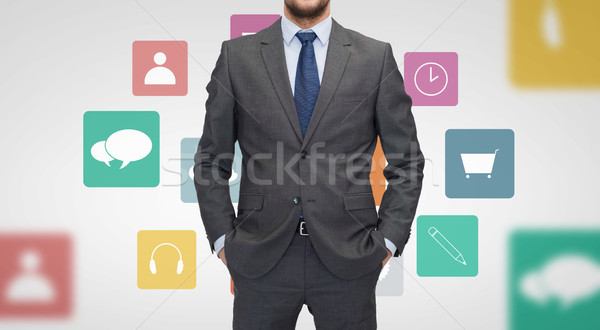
(428, 80)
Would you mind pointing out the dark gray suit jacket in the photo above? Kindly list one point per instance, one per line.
(326, 173)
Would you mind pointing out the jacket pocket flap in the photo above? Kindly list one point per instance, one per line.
(250, 201)
(358, 201)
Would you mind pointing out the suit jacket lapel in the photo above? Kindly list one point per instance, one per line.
(338, 54)
(274, 58)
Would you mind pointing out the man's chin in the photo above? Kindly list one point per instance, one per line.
(308, 11)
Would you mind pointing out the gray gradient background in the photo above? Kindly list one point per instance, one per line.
(61, 58)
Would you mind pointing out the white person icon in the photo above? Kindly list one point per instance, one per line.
(30, 285)
(160, 75)
(159, 68)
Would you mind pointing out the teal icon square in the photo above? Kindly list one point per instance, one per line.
(480, 163)
(447, 246)
(554, 279)
(189, 147)
(121, 149)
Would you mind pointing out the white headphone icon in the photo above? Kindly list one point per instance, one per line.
(153, 263)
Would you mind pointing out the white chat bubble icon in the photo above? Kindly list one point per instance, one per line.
(127, 145)
(569, 278)
(99, 153)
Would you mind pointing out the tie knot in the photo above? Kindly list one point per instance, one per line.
(306, 36)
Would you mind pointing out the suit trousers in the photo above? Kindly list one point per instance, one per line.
(274, 300)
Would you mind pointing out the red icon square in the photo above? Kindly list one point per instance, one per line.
(160, 68)
(36, 275)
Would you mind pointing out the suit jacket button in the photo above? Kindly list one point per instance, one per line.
(303, 155)
(296, 200)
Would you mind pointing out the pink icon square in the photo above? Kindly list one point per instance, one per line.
(160, 68)
(36, 275)
(431, 78)
(250, 24)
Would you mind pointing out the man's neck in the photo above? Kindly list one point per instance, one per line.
(306, 23)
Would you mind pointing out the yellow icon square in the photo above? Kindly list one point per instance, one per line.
(554, 43)
(166, 259)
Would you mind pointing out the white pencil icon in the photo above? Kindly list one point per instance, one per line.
(444, 243)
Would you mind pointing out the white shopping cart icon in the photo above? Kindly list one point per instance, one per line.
(479, 163)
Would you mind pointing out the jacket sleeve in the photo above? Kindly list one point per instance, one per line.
(214, 157)
(404, 171)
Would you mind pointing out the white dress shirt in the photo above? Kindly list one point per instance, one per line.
(292, 47)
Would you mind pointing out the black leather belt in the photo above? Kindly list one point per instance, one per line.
(302, 227)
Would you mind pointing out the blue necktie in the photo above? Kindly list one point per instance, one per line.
(307, 79)
(307, 82)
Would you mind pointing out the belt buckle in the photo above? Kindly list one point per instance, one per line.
(302, 229)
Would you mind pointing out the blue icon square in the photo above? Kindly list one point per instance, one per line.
(189, 146)
(480, 163)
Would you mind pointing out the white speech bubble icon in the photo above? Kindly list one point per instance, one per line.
(99, 153)
(128, 145)
(568, 278)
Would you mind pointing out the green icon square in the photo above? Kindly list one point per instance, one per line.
(554, 279)
(121, 149)
(447, 245)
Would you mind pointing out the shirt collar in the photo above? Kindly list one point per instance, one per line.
(323, 30)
